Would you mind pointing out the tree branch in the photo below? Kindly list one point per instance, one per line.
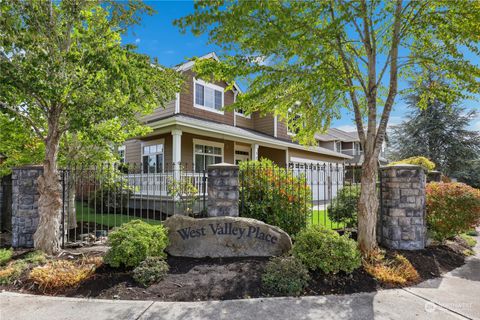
(393, 79)
(3, 105)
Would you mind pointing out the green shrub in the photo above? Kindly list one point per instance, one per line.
(5, 255)
(420, 161)
(452, 208)
(323, 249)
(35, 257)
(343, 208)
(151, 270)
(274, 196)
(285, 276)
(112, 194)
(134, 241)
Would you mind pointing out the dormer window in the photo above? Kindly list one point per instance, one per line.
(208, 96)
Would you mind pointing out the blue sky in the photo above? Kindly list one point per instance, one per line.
(157, 37)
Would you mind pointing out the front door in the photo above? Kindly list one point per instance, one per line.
(241, 155)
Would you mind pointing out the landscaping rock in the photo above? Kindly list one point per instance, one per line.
(224, 237)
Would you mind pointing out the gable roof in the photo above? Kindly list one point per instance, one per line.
(189, 65)
(334, 134)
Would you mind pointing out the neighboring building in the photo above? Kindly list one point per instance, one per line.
(194, 130)
(348, 143)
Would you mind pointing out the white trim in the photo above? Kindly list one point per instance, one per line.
(210, 144)
(212, 86)
(305, 160)
(151, 143)
(255, 148)
(200, 128)
(275, 126)
(176, 146)
(177, 102)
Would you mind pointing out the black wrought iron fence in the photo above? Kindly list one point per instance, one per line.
(300, 194)
(99, 198)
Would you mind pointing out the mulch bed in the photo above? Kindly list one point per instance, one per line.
(236, 278)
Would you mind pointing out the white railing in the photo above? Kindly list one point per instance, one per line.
(155, 184)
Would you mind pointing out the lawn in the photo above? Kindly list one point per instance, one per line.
(321, 217)
(87, 214)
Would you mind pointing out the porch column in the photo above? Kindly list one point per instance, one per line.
(176, 152)
(255, 151)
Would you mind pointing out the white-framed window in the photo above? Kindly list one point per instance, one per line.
(208, 96)
(152, 157)
(121, 154)
(338, 146)
(206, 153)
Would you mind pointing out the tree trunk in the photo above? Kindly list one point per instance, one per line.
(47, 236)
(368, 206)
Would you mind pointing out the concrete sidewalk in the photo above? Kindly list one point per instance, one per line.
(454, 296)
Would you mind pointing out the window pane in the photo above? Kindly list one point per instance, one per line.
(218, 100)
(209, 97)
(159, 163)
(209, 160)
(218, 159)
(152, 164)
(145, 150)
(145, 164)
(199, 163)
(198, 148)
(208, 149)
(199, 94)
(217, 150)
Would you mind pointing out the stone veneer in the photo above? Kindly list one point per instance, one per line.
(223, 190)
(402, 216)
(6, 203)
(24, 205)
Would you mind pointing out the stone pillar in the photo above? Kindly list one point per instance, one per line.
(223, 190)
(24, 205)
(402, 222)
(6, 203)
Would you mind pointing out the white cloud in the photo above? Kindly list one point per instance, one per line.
(137, 41)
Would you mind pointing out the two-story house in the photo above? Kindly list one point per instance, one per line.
(348, 143)
(196, 131)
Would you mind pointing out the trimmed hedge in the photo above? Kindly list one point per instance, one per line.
(134, 241)
(452, 208)
(322, 249)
